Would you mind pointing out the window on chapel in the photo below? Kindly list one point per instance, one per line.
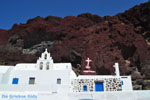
(47, 66)
(84, 88)
(32, 80)
(45, 56)
(15, 80)
(41, 65)
(58, 81)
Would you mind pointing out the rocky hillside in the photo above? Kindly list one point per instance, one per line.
(123, 38)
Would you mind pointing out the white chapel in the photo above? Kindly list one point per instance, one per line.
(46, 80)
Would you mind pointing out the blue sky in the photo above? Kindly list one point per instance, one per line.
(19, 11)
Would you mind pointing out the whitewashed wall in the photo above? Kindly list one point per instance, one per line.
(127, 84)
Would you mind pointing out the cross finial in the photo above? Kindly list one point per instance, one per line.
(45, 50)
(88, 61)
(87, 70)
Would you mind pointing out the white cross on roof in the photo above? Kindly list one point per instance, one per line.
(88, 61)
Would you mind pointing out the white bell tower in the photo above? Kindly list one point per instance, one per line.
(45, 62)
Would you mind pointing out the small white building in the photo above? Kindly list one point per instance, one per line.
(46, 80)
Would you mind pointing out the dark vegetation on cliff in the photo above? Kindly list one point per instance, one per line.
(123, 38)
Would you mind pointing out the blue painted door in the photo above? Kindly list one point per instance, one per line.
(99, 86)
